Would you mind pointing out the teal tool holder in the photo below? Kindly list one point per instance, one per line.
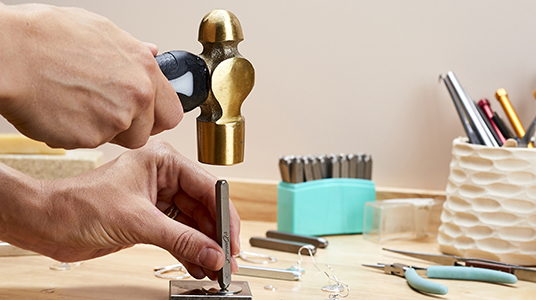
(323, 207)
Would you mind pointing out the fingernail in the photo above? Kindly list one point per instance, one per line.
(210, 258)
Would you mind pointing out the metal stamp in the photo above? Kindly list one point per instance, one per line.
(224, 288)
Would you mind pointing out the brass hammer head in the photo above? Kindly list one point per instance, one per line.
(220, 126)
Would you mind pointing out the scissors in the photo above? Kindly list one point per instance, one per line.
(522, 273)
(444, 272)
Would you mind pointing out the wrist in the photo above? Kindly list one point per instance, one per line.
(20, 195)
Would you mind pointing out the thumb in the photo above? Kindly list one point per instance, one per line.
(186, 243)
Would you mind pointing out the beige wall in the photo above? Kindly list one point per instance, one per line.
(349, 76)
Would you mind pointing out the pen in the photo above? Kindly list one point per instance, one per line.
(486, 108)
(488, 124)
(506, 132)
(502, 96)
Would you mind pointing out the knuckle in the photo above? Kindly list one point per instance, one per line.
(140, 92)
(144, 95)
(121, 122)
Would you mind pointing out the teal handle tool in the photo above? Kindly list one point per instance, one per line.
(424, 285)
(470, 273)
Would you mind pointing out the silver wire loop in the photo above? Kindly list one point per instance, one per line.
(297, 266)
(332, 288)
(337, 294)
(159, 272)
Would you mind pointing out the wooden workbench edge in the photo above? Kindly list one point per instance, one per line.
(257, 199)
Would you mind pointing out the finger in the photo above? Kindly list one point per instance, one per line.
(197, 211)
(198, 184)
(196, 271)
(184, 219)
(152, 47)
(212, 275)
(167, 107)
(234, 265)
(183, 242)
(235, 229)
(203, 217)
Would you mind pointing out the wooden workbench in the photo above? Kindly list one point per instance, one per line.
(129, 274)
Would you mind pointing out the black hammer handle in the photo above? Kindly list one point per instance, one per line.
(189, 76)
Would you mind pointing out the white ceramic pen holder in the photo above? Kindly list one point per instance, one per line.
(490, 211)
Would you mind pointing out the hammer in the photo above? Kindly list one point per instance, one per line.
(218, 81)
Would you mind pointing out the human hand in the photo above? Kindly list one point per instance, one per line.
(73, 79)
(120, 204)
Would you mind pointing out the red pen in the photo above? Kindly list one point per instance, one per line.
(484, 104)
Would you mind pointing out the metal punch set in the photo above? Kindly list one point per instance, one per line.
(297, 169)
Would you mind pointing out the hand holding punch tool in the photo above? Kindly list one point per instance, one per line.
(442, 272)
(225, 289)
(522, 273)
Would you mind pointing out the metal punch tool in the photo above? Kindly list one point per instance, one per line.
(522, 273)
(281, 245)
(443, 272)
(308, 168)
(271, 273)
(318, 242)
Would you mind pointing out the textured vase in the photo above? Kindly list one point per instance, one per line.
(490, 211)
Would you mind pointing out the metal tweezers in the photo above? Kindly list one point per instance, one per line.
(522, 273)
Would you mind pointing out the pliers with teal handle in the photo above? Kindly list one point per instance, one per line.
(444, 272)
